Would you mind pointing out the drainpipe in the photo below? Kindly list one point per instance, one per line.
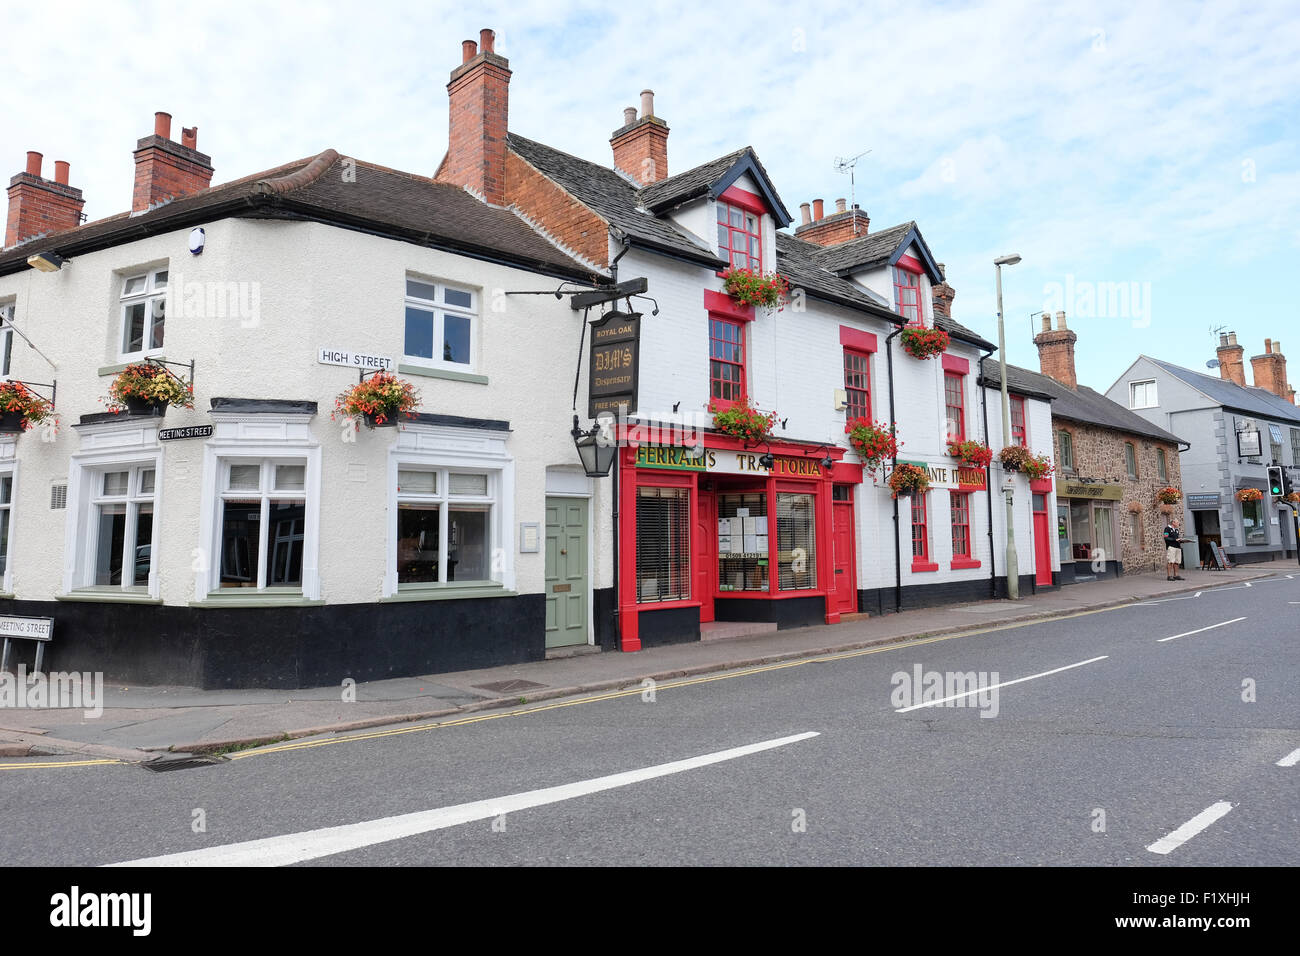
(988, 478)
(893, 429)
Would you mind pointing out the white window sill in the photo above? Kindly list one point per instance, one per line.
(450, 374)
(451, 591)
(109, 595)
(252, 597)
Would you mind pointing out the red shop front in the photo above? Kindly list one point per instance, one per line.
(719, 534)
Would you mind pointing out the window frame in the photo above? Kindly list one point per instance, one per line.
(948, 375)
(1131, 460)
(1065, 442)
(446, 501)
(1020, 432)
(960, 505)
(902, 269)
(265, 493)
(8, 470)
(1261, 523)
(1162, 465)
(86, 496)
(851, 390)
(685, 556)
(724, 207)
(151, 295)
(1295, 447)
(742, 345)
(439, 309)
(7, 310)
(1148, 387)
(920, 505)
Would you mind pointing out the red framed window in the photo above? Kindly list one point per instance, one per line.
(960, 526)
(740, 238)
(1018, 435)
(907, 295)
(920, 531)
(726, 359)
(857, 384)
(954, 405)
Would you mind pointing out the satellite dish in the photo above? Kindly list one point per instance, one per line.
(1212, 363)
(197, 239)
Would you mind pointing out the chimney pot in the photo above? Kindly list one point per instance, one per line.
(42, 206)
(1060, 322)
(1268, 346)
(1223, 339)
(647, 103)
(805, 213)
(61, 172)
(841, 205)
(486, 40)
(818, 205)
(1232, 338)
(1277, 347)
(478, 122)
(162, 124)
(1047, 321)
(34, 162)
(468, 50)
(190, 137)
(629, 115)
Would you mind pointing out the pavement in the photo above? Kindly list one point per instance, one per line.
(149, 724)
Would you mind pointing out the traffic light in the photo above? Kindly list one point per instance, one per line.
(1276, 481)
(1286, 482)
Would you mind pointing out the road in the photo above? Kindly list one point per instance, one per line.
(1158, 734)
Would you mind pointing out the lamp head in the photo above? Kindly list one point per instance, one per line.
(1010, 260)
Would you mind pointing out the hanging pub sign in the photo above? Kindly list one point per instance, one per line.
(1248, 443)
(612, 379)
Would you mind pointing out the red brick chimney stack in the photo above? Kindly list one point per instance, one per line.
(842, 225)
(641, 145)
(168, 170)
(1056, 351)
(38, 206)
(943, 294)
(1231, 366)
(479, 92)
(1269, 370)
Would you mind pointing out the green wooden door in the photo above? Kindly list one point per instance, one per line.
(566, 571)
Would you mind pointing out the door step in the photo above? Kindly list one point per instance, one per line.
(723, 630)
(573, 650)
(855, 616)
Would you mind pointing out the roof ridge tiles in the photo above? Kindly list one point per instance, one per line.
(296, 180)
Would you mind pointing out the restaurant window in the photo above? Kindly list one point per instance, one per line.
(663, 539)
(6, 506)
(907, 295)
(1081, 528)
(263, 521)
(1142, 394)
(1252, 521)
(1130, 459)
(960, 503)
(118, 531)
(1018, 435)
(1162, 465)
(1067, 450)
(726, 359)
(857, 384)
(1103, 545)
(144, 311)
(444, 525)
(920, 531)
(742, 542)
(954, 406)
(796, 542)
(740, 238)
(440, 325)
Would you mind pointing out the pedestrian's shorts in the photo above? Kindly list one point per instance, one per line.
(1174, 555)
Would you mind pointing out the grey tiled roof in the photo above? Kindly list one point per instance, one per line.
(688, 185)
(796, 261)
(613, 198)
(1256, 401)
(1083, 405)
(872, 249)
(955, 328)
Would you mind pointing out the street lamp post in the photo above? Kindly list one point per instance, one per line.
(1013, 565)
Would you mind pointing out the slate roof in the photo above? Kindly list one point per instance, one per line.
(957, 330)
(1083, 405)
(872, 249)
(376, 199)
(712, 178)
(613, 198)
(796, 260)
(1255, 401)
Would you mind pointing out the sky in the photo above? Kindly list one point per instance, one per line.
(1143, 159)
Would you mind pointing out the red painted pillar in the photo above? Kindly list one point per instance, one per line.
(628, 634)
(826, 548)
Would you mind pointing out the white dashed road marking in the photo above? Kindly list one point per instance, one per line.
(1005, 683)
(1291, 759)
(1167, 844)
(1200, 630)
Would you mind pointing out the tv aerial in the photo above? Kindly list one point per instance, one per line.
(848, 166)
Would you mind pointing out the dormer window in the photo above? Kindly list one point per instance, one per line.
(740, 239)
(907, 292)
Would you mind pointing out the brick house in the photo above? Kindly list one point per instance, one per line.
(1110, 462)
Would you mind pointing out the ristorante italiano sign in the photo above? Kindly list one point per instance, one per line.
(944, 476)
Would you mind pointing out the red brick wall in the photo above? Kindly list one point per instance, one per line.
(836, 228)
(642, 151)
(38, 206)
(1056, 355)
(568, 221)
(479, 94)
(166, 170)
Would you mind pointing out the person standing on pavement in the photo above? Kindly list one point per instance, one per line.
(1173, 549)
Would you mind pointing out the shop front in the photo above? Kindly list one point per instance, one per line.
(1086, 531)
(725, 531)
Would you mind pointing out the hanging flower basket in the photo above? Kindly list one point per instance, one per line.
(147, 389)
(747, 287)
(378, 401)
(1014, 457)
(1165, 509)
(1134, 507)
(922, 343)
(743, 421)
(874, 443)
(908, 479)
(1249, 494)
(1037, 466)
(972, 453)
(1293, 498)
(1169, 496)
(21, 408)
